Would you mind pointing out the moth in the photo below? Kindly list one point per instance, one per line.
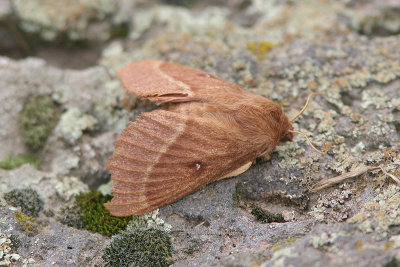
(209, 129)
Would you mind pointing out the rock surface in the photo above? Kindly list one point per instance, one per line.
(284, 50)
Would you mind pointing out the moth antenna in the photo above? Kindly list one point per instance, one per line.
(312, 146)
(305, 106)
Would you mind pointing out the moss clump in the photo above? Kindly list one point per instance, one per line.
(28, 199)
(72, 216)
(89, 212)
(265, 216)
(24, 221)
(37, 120)
(15, 242)
(139, 247)
(13, 162)
(49, 213)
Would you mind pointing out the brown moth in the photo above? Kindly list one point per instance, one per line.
(211, 129)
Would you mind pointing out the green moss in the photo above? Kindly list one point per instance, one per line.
(13, 162)
(37, 120)
(265, 216)
(24, 221)
(139, 247)
(89, 212)
(96, 217)
(28, 199)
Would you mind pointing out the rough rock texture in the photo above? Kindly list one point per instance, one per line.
(281, 49)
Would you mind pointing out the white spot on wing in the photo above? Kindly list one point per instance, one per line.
(198, 166)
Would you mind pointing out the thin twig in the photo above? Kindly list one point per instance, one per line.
(335, 180)
(356, 172)
(200, 224)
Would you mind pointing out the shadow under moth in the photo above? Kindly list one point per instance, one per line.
(210, 129)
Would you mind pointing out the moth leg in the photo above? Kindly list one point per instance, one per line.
(266, 157)
(238, 171)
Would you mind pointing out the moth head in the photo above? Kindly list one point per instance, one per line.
(288, 135)
(282, 124)
(277, 124)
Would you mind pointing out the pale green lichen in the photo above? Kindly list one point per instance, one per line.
(290, 153)
(3, 202)
(73, 123)
(395, 103)
(358, 148)
(343, 160)
(319, 241)
(375, 21)
(318, 212)
(8, 257)
(105, 189)
(325, 241)
(153, 221)
(378, 128)
(61, 93)
(51, 19)
(105, 109)
(70, 186)
(383, 212)
(396, 241)
(366, 227)
(179, 20)
(280, 256)
(62, 163)
(375, 97)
